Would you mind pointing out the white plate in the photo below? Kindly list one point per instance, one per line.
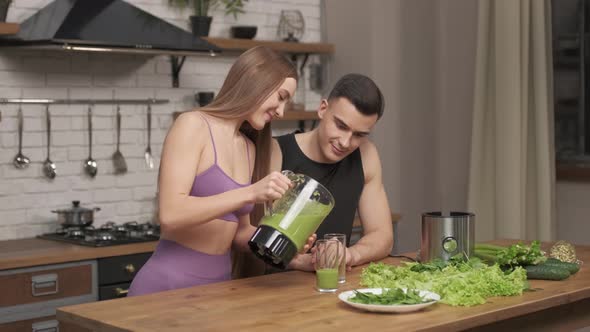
(399, 308)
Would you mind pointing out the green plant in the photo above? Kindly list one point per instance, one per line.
(201, 7)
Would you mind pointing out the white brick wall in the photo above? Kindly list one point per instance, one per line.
(26, 197)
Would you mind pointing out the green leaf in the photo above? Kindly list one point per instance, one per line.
(389, 297)
(458, 283)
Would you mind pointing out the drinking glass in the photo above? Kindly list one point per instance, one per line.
(328, 256)
(342, 267)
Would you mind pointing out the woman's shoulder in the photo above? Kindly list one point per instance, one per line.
(192, 117)
(188, 125)
(191, 120)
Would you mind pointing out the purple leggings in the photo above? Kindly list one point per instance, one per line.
(174, 266)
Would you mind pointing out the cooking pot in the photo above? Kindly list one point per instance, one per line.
(76, 215)
(445, 236)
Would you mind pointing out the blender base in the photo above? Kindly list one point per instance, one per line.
(272, 247)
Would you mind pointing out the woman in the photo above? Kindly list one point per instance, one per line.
(208, 159)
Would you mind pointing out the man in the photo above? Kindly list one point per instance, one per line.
(339, 154)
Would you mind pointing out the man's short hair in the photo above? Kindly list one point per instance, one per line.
(360, 91)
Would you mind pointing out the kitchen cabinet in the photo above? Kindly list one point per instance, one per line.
(37, 276)
(42, 324)
(116, 273)
(35, 292)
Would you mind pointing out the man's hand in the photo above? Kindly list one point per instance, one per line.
(351, 258)
(309, 244)
(301, 262)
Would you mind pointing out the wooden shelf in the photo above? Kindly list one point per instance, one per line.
(240, 45)
(289, 115)
(299, 115)
(8, 28)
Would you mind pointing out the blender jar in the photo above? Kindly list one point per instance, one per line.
(290, 220)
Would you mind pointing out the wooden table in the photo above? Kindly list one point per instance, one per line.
(288, 302)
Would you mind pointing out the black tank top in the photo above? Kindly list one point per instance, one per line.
(344, 179)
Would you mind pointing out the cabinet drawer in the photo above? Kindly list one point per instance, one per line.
(42, 324)
(113, 291)
(45, 285)
(114, 270)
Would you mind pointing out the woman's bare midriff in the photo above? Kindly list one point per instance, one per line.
(213, 238)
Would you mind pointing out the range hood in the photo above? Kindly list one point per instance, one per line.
(104, 25)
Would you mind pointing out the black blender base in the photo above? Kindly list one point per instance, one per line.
(272, 247)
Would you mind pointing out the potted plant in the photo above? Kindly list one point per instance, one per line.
(201, 21)
(4, 4)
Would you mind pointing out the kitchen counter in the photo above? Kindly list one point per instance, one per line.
(288, 302)
(33, 252)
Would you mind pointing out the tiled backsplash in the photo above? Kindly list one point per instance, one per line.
(26, 197)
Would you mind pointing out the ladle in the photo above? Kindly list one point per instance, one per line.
(49, 168)
(20, 161)
(90, 166)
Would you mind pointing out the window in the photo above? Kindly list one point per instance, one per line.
(571, 68)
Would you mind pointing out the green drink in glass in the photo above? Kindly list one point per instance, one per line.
(328, 257)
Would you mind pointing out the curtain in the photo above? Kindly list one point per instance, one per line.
(512, 177)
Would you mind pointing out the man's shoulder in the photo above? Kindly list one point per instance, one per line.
(368, 150)
(370, 159)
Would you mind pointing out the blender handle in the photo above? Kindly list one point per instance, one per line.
(268, 204)
(268, 208)
(287, 173)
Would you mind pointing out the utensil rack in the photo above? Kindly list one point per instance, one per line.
(46, 101)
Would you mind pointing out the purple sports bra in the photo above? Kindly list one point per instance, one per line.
(214, 180)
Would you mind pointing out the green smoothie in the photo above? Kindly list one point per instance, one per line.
(298, 228)
(327, 278)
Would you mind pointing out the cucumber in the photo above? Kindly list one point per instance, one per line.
(546, 272)
(571, 267)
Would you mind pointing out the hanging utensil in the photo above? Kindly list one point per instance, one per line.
(49, 168)
(20, 161)
(90, 166)
(149, 160)
(118, 160)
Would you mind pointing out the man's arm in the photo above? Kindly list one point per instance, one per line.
(374, 212)
(276, 156)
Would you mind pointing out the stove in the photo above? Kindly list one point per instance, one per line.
(109, 234)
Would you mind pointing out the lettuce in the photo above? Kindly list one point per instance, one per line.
(458, 284)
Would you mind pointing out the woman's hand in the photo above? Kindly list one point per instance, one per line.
(271, 187)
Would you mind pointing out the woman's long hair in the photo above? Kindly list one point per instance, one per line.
(255, 75)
